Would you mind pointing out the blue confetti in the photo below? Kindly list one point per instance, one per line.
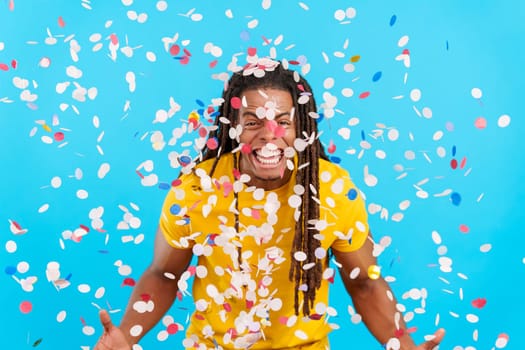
(245, 35)
(453, 151)
(377, 76)
(335, 160)
(200, 103)
(393, 20)
(10, 270)
(455, 198)
(175, 209)
(352, 194)
(164, 186)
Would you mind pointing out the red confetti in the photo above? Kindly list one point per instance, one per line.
(294, 62)
(114, 39)
(192, 270)
(406, 52)
(185, 60)
(300, 87)
(174, 49)
(213, 63)
(212, 143)
(331, 147)
(16, 225)
(464, 228)
(399, 333)
(4, 67)
(236, 102)
(364, 94)
(187, 53)
(11, 5)
(145, 297)
(139, 174)
(176, 182)
(84, 227)
(227, 307)
(14, 64)
(203, 132)
(130, 282)
(26, 307)
(246, 148)
(463, 162)
(252, 51)
(172, 328)
(61, 22)
(453, 164)
(479, 303)
(236, 174)
(59, 136)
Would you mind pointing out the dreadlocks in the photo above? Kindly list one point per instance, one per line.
(306, 281)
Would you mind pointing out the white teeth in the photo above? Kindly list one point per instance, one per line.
(266, 156)
(267, 153)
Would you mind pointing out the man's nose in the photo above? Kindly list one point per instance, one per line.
(269, 130)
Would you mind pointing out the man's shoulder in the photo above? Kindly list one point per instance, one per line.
(333, 168)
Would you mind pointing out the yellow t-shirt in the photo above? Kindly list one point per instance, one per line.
(251, 305)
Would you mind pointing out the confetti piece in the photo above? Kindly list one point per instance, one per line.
(479, 303)
(480, 123)
(464, 228)
(26, 307)
(393, 20)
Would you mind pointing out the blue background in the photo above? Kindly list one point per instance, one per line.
(454, 47)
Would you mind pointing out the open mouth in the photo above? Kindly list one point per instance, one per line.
(269, 155)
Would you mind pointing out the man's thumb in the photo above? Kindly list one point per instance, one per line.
(105, 320)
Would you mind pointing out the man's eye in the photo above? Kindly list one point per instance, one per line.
(285, 123)
(250, 124)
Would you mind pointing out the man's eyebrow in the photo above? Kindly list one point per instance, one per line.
(252, 114)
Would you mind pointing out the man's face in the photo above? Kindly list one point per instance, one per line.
(268, 128)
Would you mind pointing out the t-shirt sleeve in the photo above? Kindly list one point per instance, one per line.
(173, 221)
(352, 229)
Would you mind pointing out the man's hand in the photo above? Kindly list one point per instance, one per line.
(112, 338)
(434, 342)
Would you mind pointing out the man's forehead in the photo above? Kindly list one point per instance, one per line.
(265, 96)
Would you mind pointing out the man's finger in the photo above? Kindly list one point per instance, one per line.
(438, 337)
(105, 320)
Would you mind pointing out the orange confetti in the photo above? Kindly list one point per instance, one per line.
(355, 58)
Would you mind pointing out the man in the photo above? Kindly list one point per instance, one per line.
(263, 210)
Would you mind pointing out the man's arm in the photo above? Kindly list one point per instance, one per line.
(156, 285)
(371, 299)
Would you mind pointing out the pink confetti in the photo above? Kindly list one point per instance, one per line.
(364, 94)
(236, 102)
(331, 147)
(479, 303)
(61, 22)
(174, 49)
(464, 228)
(26, 307)
(480, 123)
